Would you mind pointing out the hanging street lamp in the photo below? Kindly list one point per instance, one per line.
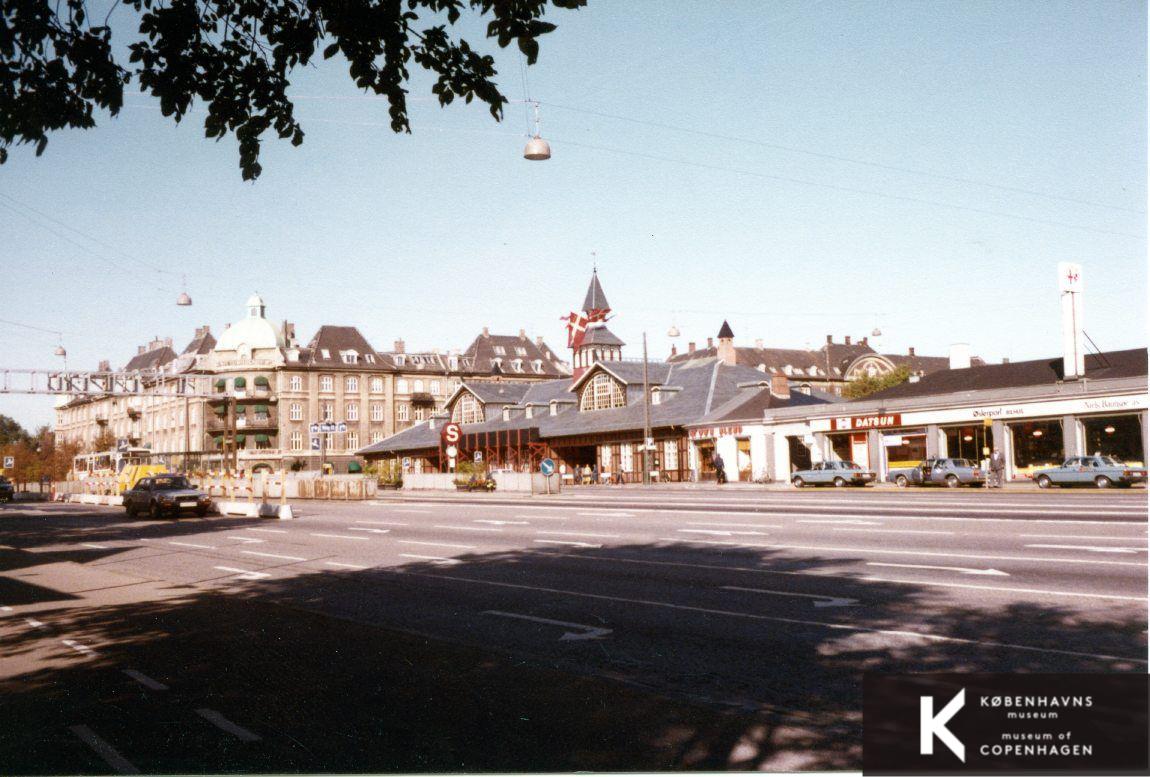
(537, 148)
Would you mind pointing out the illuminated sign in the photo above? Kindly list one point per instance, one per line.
(857, 422)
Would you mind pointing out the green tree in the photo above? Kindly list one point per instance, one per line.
(58, 65)
(12, 432)
(866, 385)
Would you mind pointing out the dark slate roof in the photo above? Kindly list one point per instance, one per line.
(498, 393)
(595, 299)
(480, 354)
(201, 343)
(725, 331)
(601, 335)
(150, 360)
(749, 404)
(336, 339)
(1112, 364)
(924, 364)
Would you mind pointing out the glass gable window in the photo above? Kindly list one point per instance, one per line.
(467, 410)
(601, 393)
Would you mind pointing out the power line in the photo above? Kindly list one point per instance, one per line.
(838, 158)
(847, 189)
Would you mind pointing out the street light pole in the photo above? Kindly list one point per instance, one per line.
(646, 418)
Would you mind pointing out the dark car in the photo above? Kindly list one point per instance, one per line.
(940, 472)
(7, 491)
(162, 495)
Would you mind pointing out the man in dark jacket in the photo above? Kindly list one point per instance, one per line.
(997, 468)
(720, 472)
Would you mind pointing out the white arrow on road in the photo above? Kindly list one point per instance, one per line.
(821, 600)
(963, 570)
(372, 531)
(502, 523)
(586, 632)
(723, 533)
(1091, 548)
(245, 574)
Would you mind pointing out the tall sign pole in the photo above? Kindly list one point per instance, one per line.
(1071, 285)
(646, 417)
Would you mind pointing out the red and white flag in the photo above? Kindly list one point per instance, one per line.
(576, 328)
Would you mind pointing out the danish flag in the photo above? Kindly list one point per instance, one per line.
(576, 328)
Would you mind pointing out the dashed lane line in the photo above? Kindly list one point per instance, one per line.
(271, 531)
(579, 534)
(570, 543)
(193, 545)
(1084, 537)
(79, 647)
(106, 752)
(436, 559)
(223, 724)
(144, 680)
(272, 555)
(1090, 548)
(244, 574)
(437, 544)
(890, 531)
(35, 623)
(249, 540)
(342, 565)
(94, 545)
(382, 523)
(467, 528)
(339, 536)
(369, 530)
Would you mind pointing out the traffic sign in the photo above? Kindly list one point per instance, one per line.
(341, 427)
(314, 443)
(406, 462)
(478, 456)
(452, 451)
(547, 467)
(452, 433)
(9, 462)
(314, 428)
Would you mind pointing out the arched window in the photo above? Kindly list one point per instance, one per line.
(467, 410)
(601, 393)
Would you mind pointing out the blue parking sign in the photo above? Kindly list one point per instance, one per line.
(547, 467)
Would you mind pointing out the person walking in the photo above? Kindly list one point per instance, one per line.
(720, 471)
(997, 468)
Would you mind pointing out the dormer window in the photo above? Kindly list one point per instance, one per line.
(453, 363)
(496, 363)
(400, 359)
(656, 396)
(537, 365)
(507, 412)
(517, 365)
(529, 412)
(325, 353)
(369, 358)
(602, 392)
(520, 351)
(349, 357)
(499, 349)
(788, 369)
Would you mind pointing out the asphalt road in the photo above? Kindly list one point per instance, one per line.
(603, 629)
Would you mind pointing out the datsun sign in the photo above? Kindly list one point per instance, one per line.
(861, 422)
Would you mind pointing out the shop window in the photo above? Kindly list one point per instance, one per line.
(841, 446)
(904, 450)
(1036, 445)
(1117, 436)
(969, 442)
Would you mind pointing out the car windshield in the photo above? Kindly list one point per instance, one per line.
(170, 484)
(1110, 461)
(961, 462)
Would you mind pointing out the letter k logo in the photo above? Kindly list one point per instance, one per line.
(931, 725)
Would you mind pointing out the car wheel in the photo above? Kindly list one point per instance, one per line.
(1103, 482)
(839, 482)
(131, 511)
(901, 481)
(155, 511)
(201, 511)
(1043, 481)
(952, 481)
(798, 483)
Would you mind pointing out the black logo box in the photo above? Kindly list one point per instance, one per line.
(1114, 724)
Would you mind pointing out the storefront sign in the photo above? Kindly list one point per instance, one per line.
(856, 422)
(893, 441)
(713, 432)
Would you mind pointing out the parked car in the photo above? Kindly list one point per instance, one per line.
(1097, 471)
(7, 490)
(939, 472)
(165, 494)
(832, 473)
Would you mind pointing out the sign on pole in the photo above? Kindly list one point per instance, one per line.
(547, 467)
(314, 428)
(452, 451)
(314, 443)
(9, 462)
(341, 426)
(407, 462)
(478, 456)
(451, 433)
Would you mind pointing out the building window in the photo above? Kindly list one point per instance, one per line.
(453, 363)
(520, 351)
(376, 437)
(435, 387)
(401, 412)
(656, 396)
(419, 413)
(418, 388)
(500, 350)
(537, 365)
(626, 458)
(400, 359)
(295, 383)
(327, 411)
(670, 454)
(352, 441)
(517, 365)
(401, 386)
(326, 383)
(369, 358)
(349, 357)
(1037, 444)
(351, 384)
(297, 441)
(295, 411)
(377, 385)
(377, 412)
(467, 410)
(1117, 436)
(603, 392)
(351, 411)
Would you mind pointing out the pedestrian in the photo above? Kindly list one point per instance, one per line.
(720, 472)
(997, 468)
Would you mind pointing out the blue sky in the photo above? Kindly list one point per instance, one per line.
(797, 168)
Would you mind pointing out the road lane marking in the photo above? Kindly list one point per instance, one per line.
(466, 528)
(891, 531)
(585, 632)
(343, 565)
(859, 523)
(579, 534)
(245, 539)
(437, 559)
(963, 570)
(339, 536)
(822, 600)
(94, 545)
(372, 531)
(272, 555)
(721, 524)
(108, 753)
(544, 517)
(270, 531)
(244, 574)
(223, 724)
(437, 544)
(868, 578)
(724, 532)
(382, 523)
(568, 542)
(1083, 537)
(145, 681)
(79, 647)
(978, 556)
(416, 510)
(906, 634)
(1092, 548)
(193, 545)
(35, 623)
(502, 523)
(608, 513)
(5, 608)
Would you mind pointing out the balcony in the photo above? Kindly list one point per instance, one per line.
(244, 421)
(422, 398)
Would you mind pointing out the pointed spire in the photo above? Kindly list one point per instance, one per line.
(595, 299)
(725, 332)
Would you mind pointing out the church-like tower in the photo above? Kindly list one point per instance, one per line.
(589, 338)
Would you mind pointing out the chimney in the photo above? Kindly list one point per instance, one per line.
(727, 345)
(830, 339)
(486, 333)
(863, 341)
(1070, 285)
(104, 366)
(398, 346)
(710, 342)
(522, 334)
(1006, 360)
(674, 350)
(691, 347)
(910, 351)
(780, 386)
(759, 343)
(141, 349)
(539, 341)
(847, 339)
(959, 356)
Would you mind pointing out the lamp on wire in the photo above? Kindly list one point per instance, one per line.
(673, 332)
(537, 148)
(184, 300)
